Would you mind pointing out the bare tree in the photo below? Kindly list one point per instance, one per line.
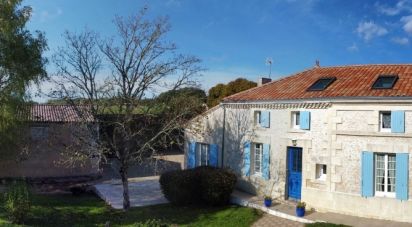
(141, 64)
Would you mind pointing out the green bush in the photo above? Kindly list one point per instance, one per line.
(217, 186)
(152, 223)
(17, 201)
(202, 185)
(180, 187)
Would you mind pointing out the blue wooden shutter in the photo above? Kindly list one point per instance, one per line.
(246, 159)
(398, 121)
(402, 170)
(265, 119)
(367, 174)
(304, 120)
(266, 161)
(191, 155)
(213, 154)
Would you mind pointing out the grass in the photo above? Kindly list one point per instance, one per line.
(88, 210)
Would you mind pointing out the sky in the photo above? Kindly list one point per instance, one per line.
(235, 38)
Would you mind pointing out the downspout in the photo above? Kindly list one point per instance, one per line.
(223, 135)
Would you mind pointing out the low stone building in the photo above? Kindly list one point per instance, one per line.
(50, 139)
(338, 138)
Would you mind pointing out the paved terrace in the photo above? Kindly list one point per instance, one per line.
(286, 210)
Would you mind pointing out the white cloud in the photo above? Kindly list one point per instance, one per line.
(369, 30)
(400, 6)
(353, 48)
(407, 24)
(46, 15)
(400, 40)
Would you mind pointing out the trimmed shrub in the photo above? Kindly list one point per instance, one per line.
(202, 185)
(217, 186)
(180, 187)
(17, 201)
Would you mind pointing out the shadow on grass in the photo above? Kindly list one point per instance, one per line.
(88, 210)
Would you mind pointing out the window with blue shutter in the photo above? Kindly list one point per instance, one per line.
(191, 155)
(402, 176)
(266, 162)
(265, 119)
(398, 121)
(367, 174)
(246, 159)
(213, 155)
(304, 120)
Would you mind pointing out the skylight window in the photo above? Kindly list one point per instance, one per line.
(385, 82)
(321, 84)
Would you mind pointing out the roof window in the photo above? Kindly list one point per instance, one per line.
(321, 84)
(385, 82)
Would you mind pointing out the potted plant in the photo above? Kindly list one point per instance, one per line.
(268, 201)
(300, 209)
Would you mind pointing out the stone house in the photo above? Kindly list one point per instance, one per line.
(338, 138)
(51, 132)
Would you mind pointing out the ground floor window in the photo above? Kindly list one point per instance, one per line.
(257, 158)
(385, 170)
(203, 154)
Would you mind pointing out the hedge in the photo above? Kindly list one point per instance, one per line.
(201, 185)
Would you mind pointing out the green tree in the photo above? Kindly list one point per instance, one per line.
(21, 63)
(220, 91)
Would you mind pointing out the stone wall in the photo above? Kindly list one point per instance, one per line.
(338, 134)
(48, 157)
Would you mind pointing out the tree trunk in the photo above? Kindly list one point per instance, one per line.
(125, 182)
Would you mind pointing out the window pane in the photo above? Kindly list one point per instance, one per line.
(203, 154)
(258, 157)
(386, 120)
(385, 82)
(297, 118)
(321, 84)
(380, 172)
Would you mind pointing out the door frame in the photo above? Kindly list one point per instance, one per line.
(286, 196)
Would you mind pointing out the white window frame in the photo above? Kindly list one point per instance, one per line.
(385, 193)
(295, 119)
(258, 117)
(257, 156)
(381, 128)
(203, 147)
(321, 172)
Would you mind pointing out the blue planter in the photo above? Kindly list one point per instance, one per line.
(268, 202)
(300, 211)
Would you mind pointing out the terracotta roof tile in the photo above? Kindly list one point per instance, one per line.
(59, 113)
(351, 81)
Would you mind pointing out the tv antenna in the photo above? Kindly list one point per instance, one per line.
(269, 62)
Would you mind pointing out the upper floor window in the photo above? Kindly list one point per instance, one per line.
(385, 123)
(39, 132)
(258, 117)
(385, 169)
(385, 82)
(296, 120)
(321, 84)
(262, 118)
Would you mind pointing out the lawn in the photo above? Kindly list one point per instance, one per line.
(88, 210)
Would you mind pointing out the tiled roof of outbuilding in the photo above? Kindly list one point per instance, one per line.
(351, 82)
(59, 113)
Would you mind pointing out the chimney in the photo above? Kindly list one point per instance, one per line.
(263, 80)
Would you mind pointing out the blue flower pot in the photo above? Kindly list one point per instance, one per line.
(300, 211)
(268, 202)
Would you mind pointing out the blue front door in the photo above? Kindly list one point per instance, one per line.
(294, 172)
